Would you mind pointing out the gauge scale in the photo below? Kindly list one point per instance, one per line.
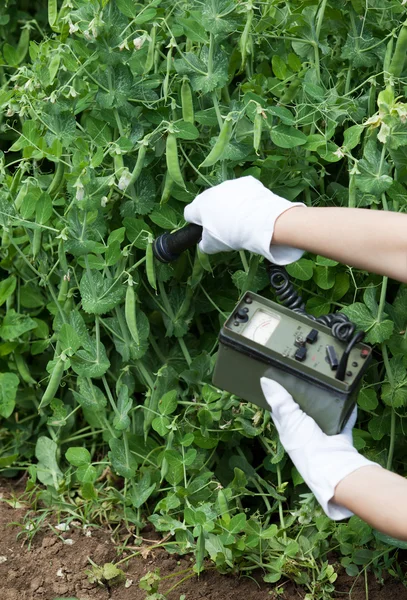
(264, 339)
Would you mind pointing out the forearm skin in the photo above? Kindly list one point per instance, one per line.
(375, 241)
(377, 496)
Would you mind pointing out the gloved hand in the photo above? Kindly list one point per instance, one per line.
(240, 214)
(322, 460)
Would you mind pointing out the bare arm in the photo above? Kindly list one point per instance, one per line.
(377, 496)
(375, 241)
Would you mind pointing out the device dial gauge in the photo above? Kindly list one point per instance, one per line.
(261, 327)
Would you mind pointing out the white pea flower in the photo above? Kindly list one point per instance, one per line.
(124, 46)
(138, 42)
(73, 28)
(124, 180)
(104, 200)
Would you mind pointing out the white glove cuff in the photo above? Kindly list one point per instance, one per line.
(324, 489)
(279, 255)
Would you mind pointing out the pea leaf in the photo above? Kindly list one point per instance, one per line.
(8, 391)
(287, 137)
(15, 325)
(99, 294)
(302, 269)
(48, 471)
(77, 456)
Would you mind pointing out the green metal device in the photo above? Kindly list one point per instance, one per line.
(319, 361)
(263, 339)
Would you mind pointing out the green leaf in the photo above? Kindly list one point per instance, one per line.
(15, 325)
(168, 403)
(287, 137)
(165, 217)
(367, 399)
(123, 462)
(99, 294)
(160, 425)
(137, 232)
(77, 456)
(91, 360)
(48, 471)
(193, 30)
(302, 269)
(69, 339)
(142, 491)
(8, 391)
(324, 277)
(237, 523)
(352, 135)
(7, 287)
(279, 67)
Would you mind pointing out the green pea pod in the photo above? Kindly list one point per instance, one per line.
(53, 384)
(63, 290)
(16, 181)
(23, 369)
(223, 505)
(387, 59)
(36, 243)
(56, 180)
(151, 51)
(171, 154)
(167, 74)
(62, 257)
(290, 93)
(187, 102)
(150, 267)
(257, 130)
(130, 312)
(166, 193)
(139, 165)
(22, 46)
(399, 57)
(197, 272)
(52, 13)
(220, 144)
(244, 40)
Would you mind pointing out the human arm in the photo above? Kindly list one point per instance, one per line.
(244, 214)
(377, 496)
(375, 241)
(343, 481)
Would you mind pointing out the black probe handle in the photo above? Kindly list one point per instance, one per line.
(168, 246)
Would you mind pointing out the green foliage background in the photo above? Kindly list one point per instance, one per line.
(109, 404)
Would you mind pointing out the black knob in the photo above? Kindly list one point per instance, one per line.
(241, 315)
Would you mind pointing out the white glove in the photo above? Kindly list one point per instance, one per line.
(322, 460)
(240, 214)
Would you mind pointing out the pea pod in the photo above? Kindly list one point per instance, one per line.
(63, 290)
(171, 154)
(244, 40)
(139, 165)
(220, 144)
(167, 74)
(400, 52)
(257, 130)
(187, 102)
(36, 243)
(57, 180)
(166, 193)
(22, 46)
(62, 257)
(130, 312)
(151, 51)
(52, 13)
(53, 384)
(387, 59)
(223, 506)
(150, 267)
(23, 369)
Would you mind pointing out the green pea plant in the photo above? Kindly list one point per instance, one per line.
(114, 115)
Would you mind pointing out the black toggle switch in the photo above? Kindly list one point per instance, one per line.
(332, 357)
(301, 354)
(312, 336)
(241, 315)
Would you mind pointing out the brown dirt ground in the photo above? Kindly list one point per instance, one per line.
(53, 569)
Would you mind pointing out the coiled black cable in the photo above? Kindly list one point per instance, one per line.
(342, 328)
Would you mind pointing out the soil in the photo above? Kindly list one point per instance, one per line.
(54, 568)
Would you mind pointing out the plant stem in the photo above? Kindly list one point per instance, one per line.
(390, 377)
